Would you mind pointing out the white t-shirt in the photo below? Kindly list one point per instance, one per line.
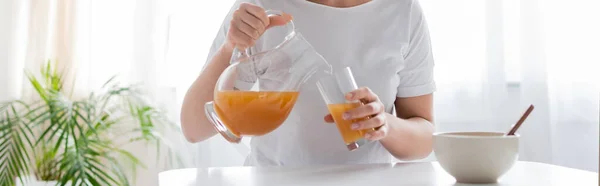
(387, 45)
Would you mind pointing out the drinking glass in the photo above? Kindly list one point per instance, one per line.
(333, 89)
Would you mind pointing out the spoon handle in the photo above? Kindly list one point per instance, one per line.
(514, 129)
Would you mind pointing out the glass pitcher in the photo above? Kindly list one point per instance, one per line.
(256, 93)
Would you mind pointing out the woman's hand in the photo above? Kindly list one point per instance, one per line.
(372, 108)
(248, 23)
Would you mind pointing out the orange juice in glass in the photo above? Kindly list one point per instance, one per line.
(349, 135)
(333, 89)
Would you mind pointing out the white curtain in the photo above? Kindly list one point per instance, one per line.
(95, 40)
(493, 59)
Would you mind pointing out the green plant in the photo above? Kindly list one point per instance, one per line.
(80, 142)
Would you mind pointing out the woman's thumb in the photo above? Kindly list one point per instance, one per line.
(279, 20)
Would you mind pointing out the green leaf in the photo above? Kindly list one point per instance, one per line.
(130, 157)
(22, 154)
(92, 180)
(13, 154)
(37, 86)
(109, 81)
(101, 174)
(74, 136)
(118, 170)
(54, 126)
(86, 120)
(71, 173)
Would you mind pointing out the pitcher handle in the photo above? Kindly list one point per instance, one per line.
(243, 54)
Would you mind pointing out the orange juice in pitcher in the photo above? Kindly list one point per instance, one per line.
(238, 110)
(253, 113)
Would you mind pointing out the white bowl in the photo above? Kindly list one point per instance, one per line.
(476, 157)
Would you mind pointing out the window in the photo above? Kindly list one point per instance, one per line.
(192, 28)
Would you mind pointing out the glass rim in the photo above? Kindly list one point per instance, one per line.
(336, 85)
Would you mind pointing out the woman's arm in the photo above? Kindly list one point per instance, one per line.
(194, 123)
(410, 132)
(408, 135)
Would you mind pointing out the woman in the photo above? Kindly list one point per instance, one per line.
(386, 42)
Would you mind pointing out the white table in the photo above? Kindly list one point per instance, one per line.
(523, 173)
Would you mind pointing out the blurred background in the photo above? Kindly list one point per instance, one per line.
(493, 59)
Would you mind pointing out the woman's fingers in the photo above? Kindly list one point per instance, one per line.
(256, 11)
(328, 118)
(373, 109)
(249, 22)
(363, 111)
(363, 94)
(373, 122)
(377, 134)
(239, 38)
(255, 23)
(279, 20)
(248, 30)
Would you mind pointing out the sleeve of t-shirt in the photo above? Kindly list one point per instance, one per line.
(245, 76)
(416, 78)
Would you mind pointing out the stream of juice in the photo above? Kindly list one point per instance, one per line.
(349, 135)
(253, 113)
